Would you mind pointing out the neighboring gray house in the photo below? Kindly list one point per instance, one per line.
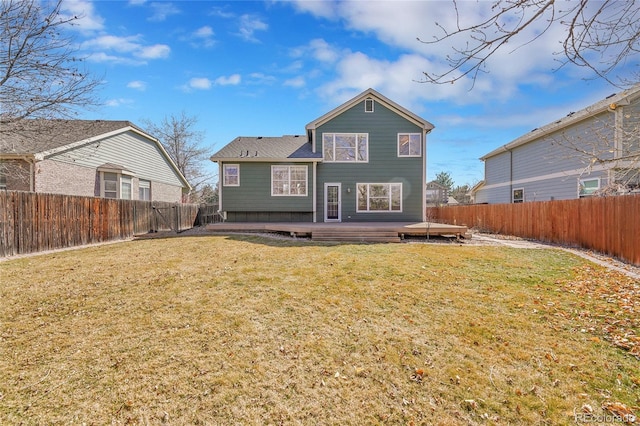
(557, 161)
(436, 194)
(110, 159)
(363, 161)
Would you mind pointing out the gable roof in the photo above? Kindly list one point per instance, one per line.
(370, 93)
(40, 138)
(609, 103)
(252, 148)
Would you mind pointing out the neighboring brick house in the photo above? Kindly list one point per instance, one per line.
(364, 161)
(110, 159)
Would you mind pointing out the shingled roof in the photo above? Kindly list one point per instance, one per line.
(283, 148)
(37, 136)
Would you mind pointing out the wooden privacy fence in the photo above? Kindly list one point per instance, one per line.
(609, 225)
(32, 222)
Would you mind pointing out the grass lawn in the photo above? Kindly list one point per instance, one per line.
(249, 330)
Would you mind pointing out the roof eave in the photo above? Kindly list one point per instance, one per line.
(265, 160)
(623, 98)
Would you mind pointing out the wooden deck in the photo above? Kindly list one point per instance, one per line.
(350, 231)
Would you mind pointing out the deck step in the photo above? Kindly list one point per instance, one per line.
(364, 236)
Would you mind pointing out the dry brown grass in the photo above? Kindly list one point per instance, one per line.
(247, 330)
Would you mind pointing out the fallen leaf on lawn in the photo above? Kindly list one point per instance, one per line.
(620, 410)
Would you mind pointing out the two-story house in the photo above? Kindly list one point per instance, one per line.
(364, 161)
(590, 151)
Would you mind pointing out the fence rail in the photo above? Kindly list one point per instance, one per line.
(32, 222)
(610, 225)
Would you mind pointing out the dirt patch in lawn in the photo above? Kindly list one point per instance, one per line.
(246, 329)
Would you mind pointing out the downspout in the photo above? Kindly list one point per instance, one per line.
(220, 177)
(424, 176)
(315, 188)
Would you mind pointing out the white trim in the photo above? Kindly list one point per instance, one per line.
(224, 174)
(370, 93)
(581, 182)
(563, 174)
(356, 152)
(513, 200)
(41, 155)
(306, 180)
(409, 144)
(373, 103)
(326, 186)
(368, 210)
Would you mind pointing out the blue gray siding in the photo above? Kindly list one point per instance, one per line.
(550, 167)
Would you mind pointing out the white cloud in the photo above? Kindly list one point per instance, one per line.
(202, 37)
(231, 80)
(137, 85)
(129, 45)
(200, 83)
(249, 24)
(162, 10)
(87, 18)
(157, 51)
(119, 102)
(399, 24)
(203, 32)
(295, 82)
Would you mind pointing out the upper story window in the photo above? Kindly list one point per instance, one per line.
(288, 180)
(518, 195)
(409, 145)
(368, 105)
(231, 175)
(345, 147)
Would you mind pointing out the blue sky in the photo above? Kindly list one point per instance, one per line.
(247, 68)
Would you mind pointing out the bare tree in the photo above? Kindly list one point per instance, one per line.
(184, 144)
(600, 35)
(40, 74)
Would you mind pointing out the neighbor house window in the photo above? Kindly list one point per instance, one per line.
(144, 190)
(115, 185)
(589, 186)
(345, 147)
(125, 187)
(409, 144)
(231, 175)
(518, 195)
(109, 185)
(379, 197)
(289, 180)
(368, 105)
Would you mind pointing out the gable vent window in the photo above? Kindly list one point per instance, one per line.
(368, 105)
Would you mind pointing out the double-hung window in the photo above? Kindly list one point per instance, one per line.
(144, 190)
(288, 180)
(116, 183)
(345, 147)
(409, 144)
(379, 197)
(231, 175)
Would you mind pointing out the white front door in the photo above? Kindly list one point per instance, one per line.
(332, 202)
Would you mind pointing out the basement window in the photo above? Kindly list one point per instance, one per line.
(518, 195)
(589, 186)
